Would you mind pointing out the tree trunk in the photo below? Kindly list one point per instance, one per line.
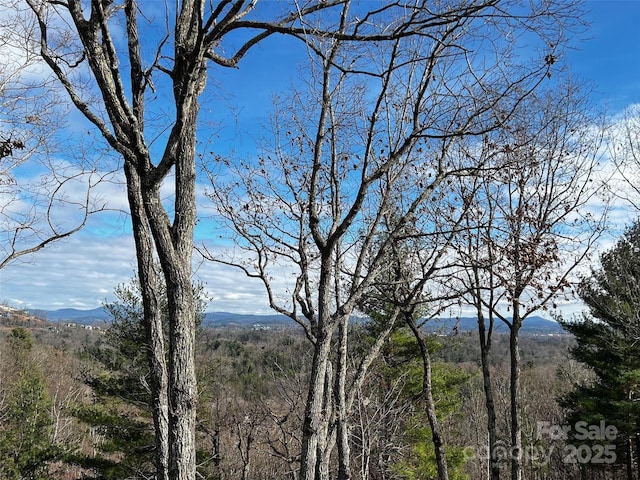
(316, 415)
(314, 459)
(636, 438)
(152, 322)
(217, 455)
(174, 241)
(174, 247)
(245, 452)
(430, 405)
(342, 423)
(485, 348)
(182, 378)
(629, 462)
(516, 429)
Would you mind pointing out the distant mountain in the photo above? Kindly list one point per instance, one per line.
(532, 325)
(84, 317)
(98, 315)
(226, 319)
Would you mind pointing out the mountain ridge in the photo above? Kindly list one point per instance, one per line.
(532, 325)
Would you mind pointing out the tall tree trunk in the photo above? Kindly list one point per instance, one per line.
(629, 462)
(314, 459)
(326, 441)
(342, 422)
(430, 404)
(152, 322)
(316, 415)
(174, 247)
(636, 438)
(217, 455)
(174, 241)
(485, 348)
(182, 378)
(516, 429)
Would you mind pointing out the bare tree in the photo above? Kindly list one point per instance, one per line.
(532, 226)
(46, 194)
(378, 426)
(413, 262)
(379, 130)
(624, 150)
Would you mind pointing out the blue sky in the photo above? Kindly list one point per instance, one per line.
(83, 271)
(609, 56)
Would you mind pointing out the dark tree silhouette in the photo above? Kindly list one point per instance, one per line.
(607, 342)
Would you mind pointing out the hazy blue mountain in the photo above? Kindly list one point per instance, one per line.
(85, 317)
(226, 319)
(97, 315)
(533, 325)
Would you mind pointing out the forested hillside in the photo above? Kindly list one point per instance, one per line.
(94, 419)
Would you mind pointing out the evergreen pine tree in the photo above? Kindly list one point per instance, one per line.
(607, 341)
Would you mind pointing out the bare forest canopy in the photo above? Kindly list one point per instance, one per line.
(251, 396)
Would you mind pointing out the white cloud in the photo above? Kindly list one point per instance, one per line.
(230, 290)
(81, 273)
